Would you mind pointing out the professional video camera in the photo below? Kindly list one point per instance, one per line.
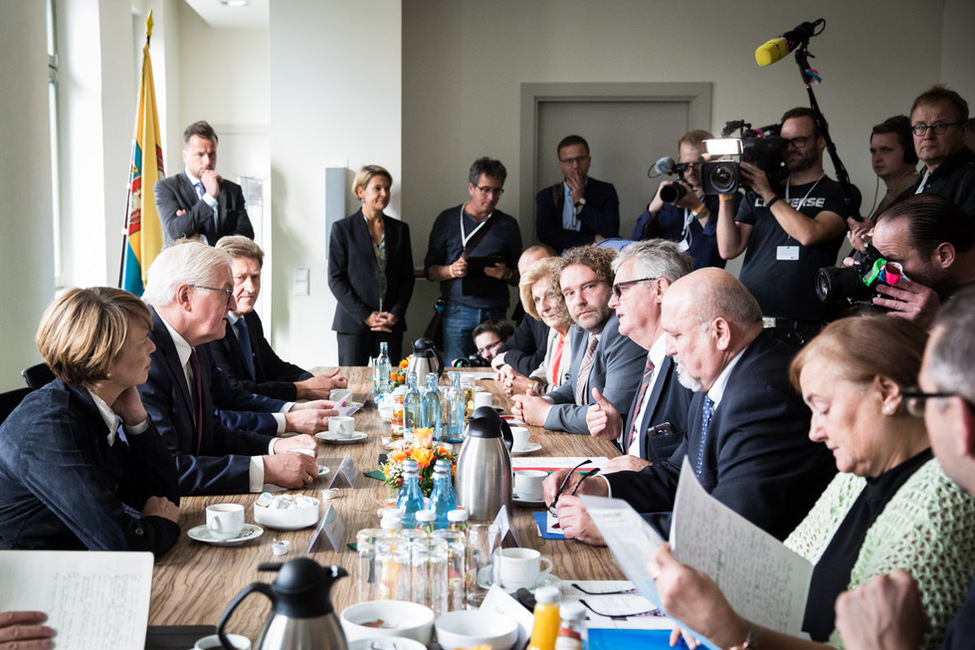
(856, 286)
(670, 193)
(761, 147)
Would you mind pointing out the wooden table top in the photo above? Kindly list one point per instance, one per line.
(193, 583)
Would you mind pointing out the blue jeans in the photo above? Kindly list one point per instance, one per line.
(458, 324)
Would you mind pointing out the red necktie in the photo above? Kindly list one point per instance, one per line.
(198, 399)
(638, 404)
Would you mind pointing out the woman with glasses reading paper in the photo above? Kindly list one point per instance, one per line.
(891, 506)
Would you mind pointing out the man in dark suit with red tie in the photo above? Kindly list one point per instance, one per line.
(190, 288)
(199, 203)
(747, 433)
(244, 354)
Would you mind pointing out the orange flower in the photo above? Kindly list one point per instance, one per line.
(423, 457)
(404, 363)
(424, 437)
(397, 456)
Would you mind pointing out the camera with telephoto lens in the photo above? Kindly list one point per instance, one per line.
(761, 147)
(842, 287)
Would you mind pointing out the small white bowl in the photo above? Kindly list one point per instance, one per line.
(401, 618)
(386, 643)
(290, 519)
(469, 628)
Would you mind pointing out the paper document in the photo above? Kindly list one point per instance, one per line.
(93, 600)
(552, 463)
(633, 542)
(763, 580)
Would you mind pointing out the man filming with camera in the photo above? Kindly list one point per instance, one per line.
(787, 232)
(680, 211)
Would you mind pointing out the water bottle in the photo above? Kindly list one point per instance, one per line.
(383, 384)
(409, 501)
(455, 409)
(443, 498)
(432, 407)
(412, 405)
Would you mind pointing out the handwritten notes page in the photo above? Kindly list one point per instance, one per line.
(93, 600)
(763, 580)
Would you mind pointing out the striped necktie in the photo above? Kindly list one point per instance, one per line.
(638, 404)
(582, 381)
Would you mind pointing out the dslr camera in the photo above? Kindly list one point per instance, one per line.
(670, 193)
(841, 287)
(761, 147)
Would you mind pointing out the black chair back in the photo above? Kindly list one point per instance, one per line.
(38, 376)
(11, 400)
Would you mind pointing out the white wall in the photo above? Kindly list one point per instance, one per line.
(25, 184)
(335, 102)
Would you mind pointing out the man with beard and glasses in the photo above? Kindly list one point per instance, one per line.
(746, 430)
(787, 233)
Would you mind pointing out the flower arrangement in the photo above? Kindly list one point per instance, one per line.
(397, 376)
(425, 452)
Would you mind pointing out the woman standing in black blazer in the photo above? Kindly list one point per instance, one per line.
(370, 273)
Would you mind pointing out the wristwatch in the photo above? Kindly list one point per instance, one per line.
(581, 203)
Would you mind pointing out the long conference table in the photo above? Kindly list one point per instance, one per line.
(193, 583)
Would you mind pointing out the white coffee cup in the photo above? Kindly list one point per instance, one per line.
(519, 437)
(528, 484)
(483, 398)
(212, 642)
(342, 426)
(225, 520)
(521, 567)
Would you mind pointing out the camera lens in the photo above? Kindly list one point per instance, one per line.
(672, 193)
(720, 177)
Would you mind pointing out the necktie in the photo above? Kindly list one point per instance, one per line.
(582, 385)
(706, 411)
(245, 345)
(557, 361)
(197, 390)
(208, 225)
(638, 404)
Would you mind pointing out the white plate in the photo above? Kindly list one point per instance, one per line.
(335, 439)
(527, 502)
(202, 534)
(527, 449)
(323, 471)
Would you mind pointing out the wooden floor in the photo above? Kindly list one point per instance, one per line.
(193, 583)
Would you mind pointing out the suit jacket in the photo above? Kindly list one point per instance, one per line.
(669, 402)
(353, 275)
(62, 486)
(219, 463)
(600, 215)
(526, 349)
(617, 367)
(273, 376)
(757, 460)
(177, 193)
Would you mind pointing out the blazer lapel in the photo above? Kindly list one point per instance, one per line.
(663, 376)
(167, 349)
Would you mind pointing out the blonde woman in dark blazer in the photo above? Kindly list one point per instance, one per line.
(370, 273)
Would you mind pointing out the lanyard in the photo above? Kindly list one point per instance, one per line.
(803, 200)
(464, 237)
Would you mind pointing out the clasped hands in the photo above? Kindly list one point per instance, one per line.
(381, 321)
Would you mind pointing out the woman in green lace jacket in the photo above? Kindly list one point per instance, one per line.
(891, 506)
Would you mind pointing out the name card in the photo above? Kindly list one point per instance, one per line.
(346, 474)
(334, 529)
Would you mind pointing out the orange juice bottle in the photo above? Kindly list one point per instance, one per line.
(546, 626)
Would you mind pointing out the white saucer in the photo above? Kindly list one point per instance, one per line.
(202, 534)
(526, 502)
(527, 449)
(335, 439)
(323, 471)
(484, 580)
(356, 405)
